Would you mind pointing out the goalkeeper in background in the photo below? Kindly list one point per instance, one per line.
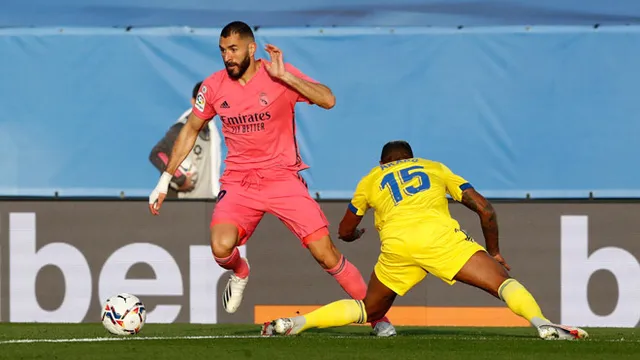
(419, 236)
(205, 158)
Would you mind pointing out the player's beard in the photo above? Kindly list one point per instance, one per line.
(241, 68)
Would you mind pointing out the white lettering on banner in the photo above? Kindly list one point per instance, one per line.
(577, 266)
(204, 276)
(24, 265)
(168, 281)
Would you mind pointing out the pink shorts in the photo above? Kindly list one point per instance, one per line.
(245, 197)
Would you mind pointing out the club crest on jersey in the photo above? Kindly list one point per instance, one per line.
(200, 102)
(264, 100)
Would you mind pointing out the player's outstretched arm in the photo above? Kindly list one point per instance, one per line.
(488, 218)
(184, 142)
(181, 148)
(348, 230)
(316, 93)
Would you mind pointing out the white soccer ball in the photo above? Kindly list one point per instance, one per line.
(123, 314)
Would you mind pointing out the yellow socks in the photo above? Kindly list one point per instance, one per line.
(338, 313)
(521, 302)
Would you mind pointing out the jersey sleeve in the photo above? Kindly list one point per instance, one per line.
(359, 203)
(455, 184)
(203, 105)
(294, 71)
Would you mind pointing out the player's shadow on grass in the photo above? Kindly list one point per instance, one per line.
(409, 331)
(463, 332)
(246, 332)
(425, 331)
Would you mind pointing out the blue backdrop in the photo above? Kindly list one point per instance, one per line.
(208, 13)
(550, 111)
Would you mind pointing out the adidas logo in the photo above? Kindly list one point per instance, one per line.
(224, 105)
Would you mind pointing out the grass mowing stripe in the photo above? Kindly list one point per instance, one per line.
(213, 337)
(132, 338)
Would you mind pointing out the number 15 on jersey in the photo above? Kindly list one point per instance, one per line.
(398, 190)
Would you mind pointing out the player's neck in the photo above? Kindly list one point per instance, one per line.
(250, 73)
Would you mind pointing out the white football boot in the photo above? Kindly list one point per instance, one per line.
(232, 295)
(561, 332)
(285, 326)
(384, 329)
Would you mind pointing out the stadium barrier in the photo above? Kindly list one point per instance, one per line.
(59, 259)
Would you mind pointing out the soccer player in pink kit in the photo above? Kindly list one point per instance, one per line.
(255, 100)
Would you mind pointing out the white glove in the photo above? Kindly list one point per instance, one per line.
(163, 186)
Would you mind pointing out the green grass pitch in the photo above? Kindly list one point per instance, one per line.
(225, 342)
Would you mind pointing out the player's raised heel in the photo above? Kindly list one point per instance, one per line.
(561, 332)
(232, 296)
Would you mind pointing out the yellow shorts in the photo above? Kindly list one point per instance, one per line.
(408, 256)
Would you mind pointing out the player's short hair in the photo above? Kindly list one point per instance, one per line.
(395, 150)
(237, 27)
(195, 90)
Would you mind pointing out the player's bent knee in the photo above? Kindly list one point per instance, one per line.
(502, 273)
(498, 276)
(223, 247)
(319, 234)
(484, 272)
(224, 238)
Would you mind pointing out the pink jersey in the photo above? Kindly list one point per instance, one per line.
(258, 119)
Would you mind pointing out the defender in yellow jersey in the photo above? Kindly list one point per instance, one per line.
(417, 233)
(419, 236)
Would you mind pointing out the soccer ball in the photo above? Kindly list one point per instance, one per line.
(123, 314)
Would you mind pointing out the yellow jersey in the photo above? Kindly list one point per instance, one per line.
(407, 193)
